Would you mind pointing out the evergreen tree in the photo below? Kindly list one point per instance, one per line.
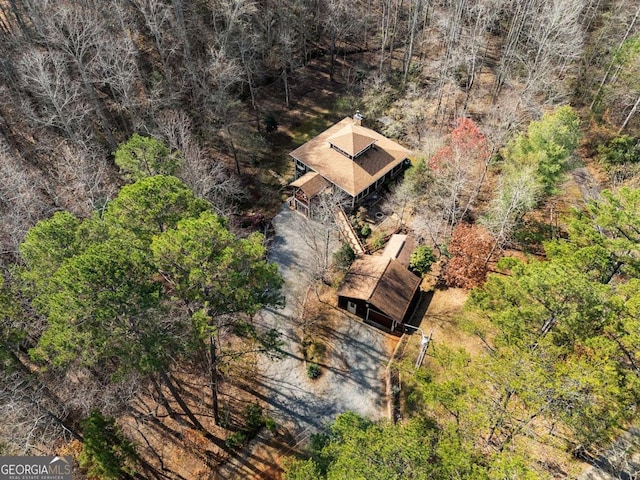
(107, 285)
(141, 157)
(547, 146)
(106, 452)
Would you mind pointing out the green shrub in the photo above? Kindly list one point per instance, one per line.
(365, 231)
(620, 150)
(236, 440)
(270, 123)
(141, 157)
(422, 259)
(377, 240)
(255, 420)
(344, 257)
(270, 424)
(313, 371)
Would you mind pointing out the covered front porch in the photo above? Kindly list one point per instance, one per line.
(306, 188)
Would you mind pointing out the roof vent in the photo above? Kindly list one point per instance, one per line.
(357, 118)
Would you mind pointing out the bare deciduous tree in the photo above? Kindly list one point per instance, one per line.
(157, 18)
(517, 193)
(80, 177)
(58, 100)
(21, 202)
(320, 232)
(556, 39)
(206, 177)
(28, 423)
(116, 69)
(78, 33)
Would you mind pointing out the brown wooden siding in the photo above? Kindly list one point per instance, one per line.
(376, 316)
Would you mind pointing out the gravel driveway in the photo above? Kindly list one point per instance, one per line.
(354, 375)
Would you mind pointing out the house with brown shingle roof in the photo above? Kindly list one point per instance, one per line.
(380, 289)
(353, 158)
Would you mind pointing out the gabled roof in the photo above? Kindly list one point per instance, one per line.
(382, 282)
(363, 276)
(311, 184)
(352, 176)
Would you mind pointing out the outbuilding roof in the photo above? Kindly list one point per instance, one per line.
(400, 247)
(382, 282)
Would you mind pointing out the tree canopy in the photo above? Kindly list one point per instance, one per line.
(561, 368)
(357, 448)
(141, 157)
(575, 312)
(106, 454)
(107, 285)
(546, 146)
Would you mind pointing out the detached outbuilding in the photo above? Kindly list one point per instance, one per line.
(380, 289)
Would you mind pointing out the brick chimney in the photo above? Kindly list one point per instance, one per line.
(357, 118)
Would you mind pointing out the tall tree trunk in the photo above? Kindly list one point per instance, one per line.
(631, 113)
(252, 88)
(394, 30)
(606, 74)
(213, 370)
(163, 60)
(518, 22)
(412, 35)
(185, 408)
(178, 9)
(365, 32)
(285, 79)
(384, 29)
(333, 54)
(96, 105)
(451, 40)
(162, 398)
(233, 149)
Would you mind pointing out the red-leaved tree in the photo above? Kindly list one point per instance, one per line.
(467, 143)
(470, 248)
(458, 171)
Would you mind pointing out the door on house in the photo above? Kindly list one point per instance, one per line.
(351, 307)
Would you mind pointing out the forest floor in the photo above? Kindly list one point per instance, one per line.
(352, 357)
(440, 318)
(312, 109)
(441, 310)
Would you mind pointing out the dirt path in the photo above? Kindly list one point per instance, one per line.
(586, 182)
(352, 372)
